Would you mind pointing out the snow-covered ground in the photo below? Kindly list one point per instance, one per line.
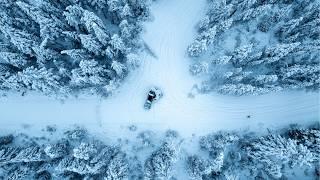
(167, 36)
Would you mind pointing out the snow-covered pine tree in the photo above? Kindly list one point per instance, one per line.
(84, 151)
(197, 167)
(15, 59)
(117, 168)
(307, 137)
(57, 150)
(89, 72)
(47, 35)
(220, 155)
(240, 25)
(30, 154)
(273, 151)
(41, 80)
(217, 141)
(159, 164)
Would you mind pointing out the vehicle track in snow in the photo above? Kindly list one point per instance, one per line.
(167, 36)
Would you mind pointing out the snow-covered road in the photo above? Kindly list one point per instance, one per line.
(167, 36)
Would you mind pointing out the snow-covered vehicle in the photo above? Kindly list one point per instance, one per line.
(154, 95)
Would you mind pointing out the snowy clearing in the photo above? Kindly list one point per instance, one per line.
(168, 37)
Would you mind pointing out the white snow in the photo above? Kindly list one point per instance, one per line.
(168, 37)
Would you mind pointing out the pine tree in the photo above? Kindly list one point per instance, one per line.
(217, 141)
(253, 13)
(222, 60)
(301, 76)
(20, 172)
(89, 19)
(310, 138)
(24, 41)
(224, 25)
(30, 154)
(35, 37)
(265, 79)
(99, 162)
(208, 35)
(98, 4)
(77, 54)
(216, 164)
(159, 164)
(91, 44)
(242, 53)
(114, 5)
(133, 60)
(279, 51)
(15, 59)
(50, 26)
(89, 72)
(117, 43)
(237, 89)
(45, 56)
(84, 151)
(197, 48)
(42, 80)
(118, 68)
(291, 24)
(288, 27)
(126, 11)
(73, 15)
(72, 164)
(117, 168)
(197, 167)
(273, 151)
(101, 34)
(7, 154)
(57, 150)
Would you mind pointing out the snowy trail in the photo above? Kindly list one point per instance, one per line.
(168, 36)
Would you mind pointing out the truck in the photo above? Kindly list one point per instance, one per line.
(153, 95)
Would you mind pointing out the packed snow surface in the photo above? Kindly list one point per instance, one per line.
(168, 36)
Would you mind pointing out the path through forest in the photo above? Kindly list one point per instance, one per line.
(167, 36)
